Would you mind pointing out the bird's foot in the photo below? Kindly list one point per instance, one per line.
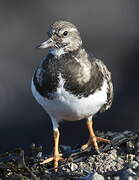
(55, 159)
(93, 141)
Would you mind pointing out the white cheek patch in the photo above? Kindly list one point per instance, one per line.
(57, 52)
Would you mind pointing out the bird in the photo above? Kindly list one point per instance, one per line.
(71, 84)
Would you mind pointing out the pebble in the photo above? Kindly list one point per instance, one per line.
(130, 147)
(113, 154)
(73, 166)
(129, 178)
(130, 157)
(133, 164)
(137, 146)
(116, 178)
(137, 158)
(128, 173)
(97, 176)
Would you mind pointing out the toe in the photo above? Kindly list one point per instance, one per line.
(99, 139)
(55, 159)
(47, 160)
(94, 143)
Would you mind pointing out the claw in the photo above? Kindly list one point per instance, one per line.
(93, 139)
(56, 159)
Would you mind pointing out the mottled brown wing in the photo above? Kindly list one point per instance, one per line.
(107, 75)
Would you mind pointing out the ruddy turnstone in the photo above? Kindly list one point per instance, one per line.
(70, 84)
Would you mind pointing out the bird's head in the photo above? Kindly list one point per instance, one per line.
(63, 37)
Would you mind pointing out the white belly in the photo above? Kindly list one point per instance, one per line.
(66, 106)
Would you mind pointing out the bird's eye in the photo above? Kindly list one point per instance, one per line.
(65, 33)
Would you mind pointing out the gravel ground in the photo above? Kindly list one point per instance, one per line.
(118, 160)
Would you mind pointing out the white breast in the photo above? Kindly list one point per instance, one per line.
(66, 106)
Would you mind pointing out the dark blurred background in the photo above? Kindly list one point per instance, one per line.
(109, 29)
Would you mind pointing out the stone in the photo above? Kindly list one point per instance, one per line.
(97, 176)
(133, 164)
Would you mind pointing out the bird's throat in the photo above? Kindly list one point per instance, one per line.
(57, 51)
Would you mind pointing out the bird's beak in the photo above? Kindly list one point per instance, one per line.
(46, 44)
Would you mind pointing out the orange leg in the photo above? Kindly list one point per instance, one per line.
(57, 156)
(93, 139)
